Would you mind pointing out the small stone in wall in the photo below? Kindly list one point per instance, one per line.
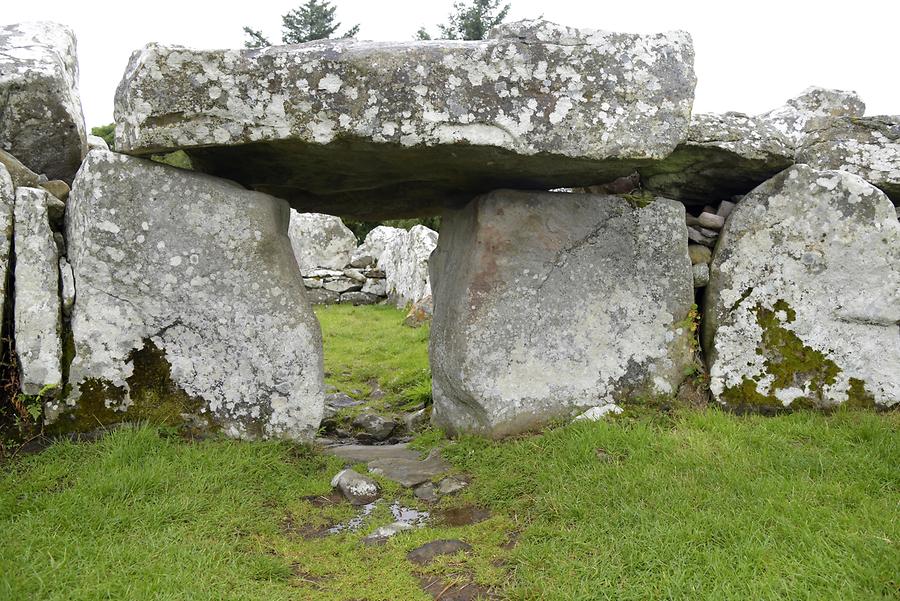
(701, 274)
(699, 254)
(710, 221)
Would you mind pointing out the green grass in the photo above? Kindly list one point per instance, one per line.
(696, 504)
(369, 344)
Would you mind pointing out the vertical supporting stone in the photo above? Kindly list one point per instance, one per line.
(547, 304)
(189, 306)
(7, 205)
(37, 308)
(803, 303)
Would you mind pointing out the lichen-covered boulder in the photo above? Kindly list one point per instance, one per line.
(38, 322)
(868, 147)
(723, 155)
(189, 305)
(41, 122)
(369, 252)
(805, 113)
(803, 303)
(548, 304)
(376, 129)
(320, 241)
(405, 265)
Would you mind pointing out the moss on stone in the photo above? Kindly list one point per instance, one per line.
(789, 362)
(155, 398)
(858, 397)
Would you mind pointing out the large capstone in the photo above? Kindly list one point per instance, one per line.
(40, 111)
(320, 241)
(189, 304)
(868, 147)
(375, 130)
(548, 304)
(724, 155)
(803, 303)
(38, 322)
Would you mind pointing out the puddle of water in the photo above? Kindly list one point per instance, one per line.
(406, 515)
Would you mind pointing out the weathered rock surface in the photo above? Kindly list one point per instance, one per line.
(805, 113)
(803, 304)
(40, 113)
(7, 221)
(189, 303)
(410, 472)
(521, 335)
(405, 264)
(38, 322)
(320, 241)
(96, 143)
(424, 124)
(868, 147)
(426, 553)
(370, 251)
(723, 155)
(356, 488)
(20, 174)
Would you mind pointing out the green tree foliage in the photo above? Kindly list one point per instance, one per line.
(469, 21)
(107, 132)
(313, 20)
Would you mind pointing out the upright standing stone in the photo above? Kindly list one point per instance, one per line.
(40, 112)
(38, 322)
(547, 304)
(405, 265)
(803, 303)
(7, 219)
(189, 306)
(320, 241)
(379, 130)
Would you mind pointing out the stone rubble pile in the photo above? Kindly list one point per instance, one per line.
(150, 292)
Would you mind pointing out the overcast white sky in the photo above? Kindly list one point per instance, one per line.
(751, 55)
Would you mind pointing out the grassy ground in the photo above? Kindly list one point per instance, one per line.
(686, 505)
(368, 345)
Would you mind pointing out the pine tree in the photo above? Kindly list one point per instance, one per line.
(470, 21)
(313, 20)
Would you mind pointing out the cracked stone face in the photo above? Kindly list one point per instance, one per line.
(724, 155)
(40, 111)
(405, 265)
(548, 304)
(375, 130)
(188, 282)
(868, 147)
(803, 303)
